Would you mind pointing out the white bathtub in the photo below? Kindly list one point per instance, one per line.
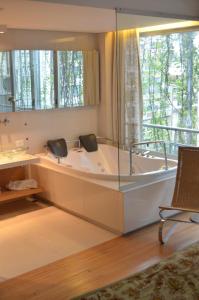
(86, 184)
(103, 164)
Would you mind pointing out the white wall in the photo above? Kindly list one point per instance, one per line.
(41, 39)
(39, 126)
(43, 125)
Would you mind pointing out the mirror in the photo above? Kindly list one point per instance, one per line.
(48, 79)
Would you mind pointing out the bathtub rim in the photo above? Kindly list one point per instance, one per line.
(111, 184)
(108, 177)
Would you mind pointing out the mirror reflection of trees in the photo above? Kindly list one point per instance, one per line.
(41, 79)
(5, 84)
(33, 76)
(70, 68)
(43, 66)
(170, 83)
(22, 79)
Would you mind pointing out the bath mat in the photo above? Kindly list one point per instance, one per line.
(175, 278)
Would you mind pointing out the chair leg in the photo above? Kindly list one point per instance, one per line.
(160, 232)
(169, 232)
(195, 218)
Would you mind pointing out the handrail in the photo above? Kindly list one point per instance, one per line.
(133, 145)
(170, 128)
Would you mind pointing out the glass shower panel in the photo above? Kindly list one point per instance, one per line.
(129, 93)
(149, 80)
(129, 97)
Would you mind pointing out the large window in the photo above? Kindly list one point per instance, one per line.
(170, 84)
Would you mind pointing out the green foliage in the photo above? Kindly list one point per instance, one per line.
(34, 78)
(70, 65)
(5, 87)
(170, 82)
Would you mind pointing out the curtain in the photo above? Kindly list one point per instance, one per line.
(91, 77)
(126, 85)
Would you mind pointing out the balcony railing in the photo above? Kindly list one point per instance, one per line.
(173, 136)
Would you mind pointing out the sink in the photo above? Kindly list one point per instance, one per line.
(12, 154)
(16, 157)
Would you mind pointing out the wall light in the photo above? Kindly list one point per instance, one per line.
(3, 29)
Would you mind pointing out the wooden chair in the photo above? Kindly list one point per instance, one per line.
(186, 192)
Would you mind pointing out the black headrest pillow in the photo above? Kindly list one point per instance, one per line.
(89, 142)
(58, 147)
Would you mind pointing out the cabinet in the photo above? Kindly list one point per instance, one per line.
(16, 170)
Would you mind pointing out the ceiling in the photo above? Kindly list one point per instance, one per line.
(34, 14)
(183, 9)
(26, 14)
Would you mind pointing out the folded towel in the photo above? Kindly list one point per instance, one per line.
(22, 184)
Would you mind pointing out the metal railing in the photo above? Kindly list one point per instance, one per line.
(174, 136)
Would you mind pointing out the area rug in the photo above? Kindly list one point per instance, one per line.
(175, 278)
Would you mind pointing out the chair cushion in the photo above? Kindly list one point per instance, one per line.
(89, 142)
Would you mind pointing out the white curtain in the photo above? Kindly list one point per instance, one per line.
(126, 85)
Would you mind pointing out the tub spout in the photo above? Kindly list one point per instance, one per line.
(145, 153)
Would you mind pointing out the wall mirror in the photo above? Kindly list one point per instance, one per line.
(48, 79)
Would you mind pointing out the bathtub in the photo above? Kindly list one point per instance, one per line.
(103, 164)
(86, 184)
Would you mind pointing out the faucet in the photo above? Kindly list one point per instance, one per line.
(12, 100)
(133, 145)
(58, 159)
(145, 152)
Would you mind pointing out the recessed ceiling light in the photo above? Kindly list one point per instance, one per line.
(3, 29)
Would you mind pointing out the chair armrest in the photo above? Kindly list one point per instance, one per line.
(179, 208)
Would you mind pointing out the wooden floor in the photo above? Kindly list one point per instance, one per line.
(98, 266)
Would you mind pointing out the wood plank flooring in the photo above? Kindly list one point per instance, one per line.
(98, 266)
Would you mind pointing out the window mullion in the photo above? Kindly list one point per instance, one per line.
(55, 66)
(12, 80)
(32, 78)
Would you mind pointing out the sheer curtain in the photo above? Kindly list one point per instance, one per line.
(126, 84)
